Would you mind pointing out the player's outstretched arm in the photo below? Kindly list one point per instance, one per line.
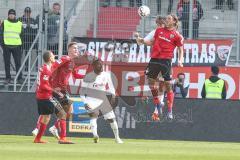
(180, 56)
(83, 60)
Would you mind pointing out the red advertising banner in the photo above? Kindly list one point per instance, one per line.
(129, 80)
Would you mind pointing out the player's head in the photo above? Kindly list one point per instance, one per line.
(172, 21)
(27, 11)
(97, 66)
(11, 14)
(181, 77)
(160, 21)
(56, 8)
(215, 70)
(48, 57)
(73, 49)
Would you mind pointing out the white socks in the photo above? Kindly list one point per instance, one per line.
(114, 127)
(93, 123)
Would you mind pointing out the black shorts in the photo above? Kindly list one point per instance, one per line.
(64, 102)
(155, 66)
(46, 106)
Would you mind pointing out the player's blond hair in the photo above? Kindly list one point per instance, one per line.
(175, 18)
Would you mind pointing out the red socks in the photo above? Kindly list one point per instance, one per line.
(41, 131)
(154, 91)
(170, 98)
(39, 122)
(63, 128)
(56, 124)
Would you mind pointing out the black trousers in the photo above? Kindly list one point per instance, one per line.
(16, 53)
(185, 29)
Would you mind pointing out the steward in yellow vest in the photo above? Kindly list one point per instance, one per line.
(11, 42)
(214, 87)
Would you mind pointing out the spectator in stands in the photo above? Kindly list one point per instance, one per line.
(53, 29)
(170, 4)
(11, 41)
(214, 87)
(30, 28)
(219, 4)
(180, 87)
(107, 3)
(138, 2)
(183, 9)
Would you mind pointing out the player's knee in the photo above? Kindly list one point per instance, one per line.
(46, 119)
(168, 86)
(62, 114)
(151, 81)
(67, 108)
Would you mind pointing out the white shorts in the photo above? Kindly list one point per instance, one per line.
(109, 115)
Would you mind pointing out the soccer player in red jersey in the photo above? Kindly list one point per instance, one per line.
(62, 69)
(45, 101)
(60, 77)
(166, 39)
(156, 88)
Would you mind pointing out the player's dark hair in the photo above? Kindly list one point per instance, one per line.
(175, 18)
(160, 20)
(71, 44)
(181, 73)
(46, 56)
(56, 4)
(215, 70)
(95, 61)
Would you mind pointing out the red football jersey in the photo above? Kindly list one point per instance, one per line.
(165, 42)
(44, 89)
(62, 70)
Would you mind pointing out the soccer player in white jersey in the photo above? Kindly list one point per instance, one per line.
(94, 94)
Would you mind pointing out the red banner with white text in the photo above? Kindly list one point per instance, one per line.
(129, 80)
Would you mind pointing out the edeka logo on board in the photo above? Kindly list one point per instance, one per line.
(80, 121)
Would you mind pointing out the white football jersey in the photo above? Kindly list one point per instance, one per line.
(94, 84)
(150, 36)
(95, 88)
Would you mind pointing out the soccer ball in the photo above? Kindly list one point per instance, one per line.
(143, 11)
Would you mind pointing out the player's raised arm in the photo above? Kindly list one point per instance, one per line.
(180, 56)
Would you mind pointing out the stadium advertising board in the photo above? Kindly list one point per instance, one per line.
(196, 52)
(194, 119)
(80, 121)
(129, 80)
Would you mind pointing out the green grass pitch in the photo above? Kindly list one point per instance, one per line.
(21, 147)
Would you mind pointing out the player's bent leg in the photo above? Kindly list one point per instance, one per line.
(110, 117)
(61, 115)
(68, 108)
(63, 127)
(93, 123)
(157, 96)
(154, 89)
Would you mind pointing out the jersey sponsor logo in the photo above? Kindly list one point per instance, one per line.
(96, 85)
(164, 38)
(45, 77)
